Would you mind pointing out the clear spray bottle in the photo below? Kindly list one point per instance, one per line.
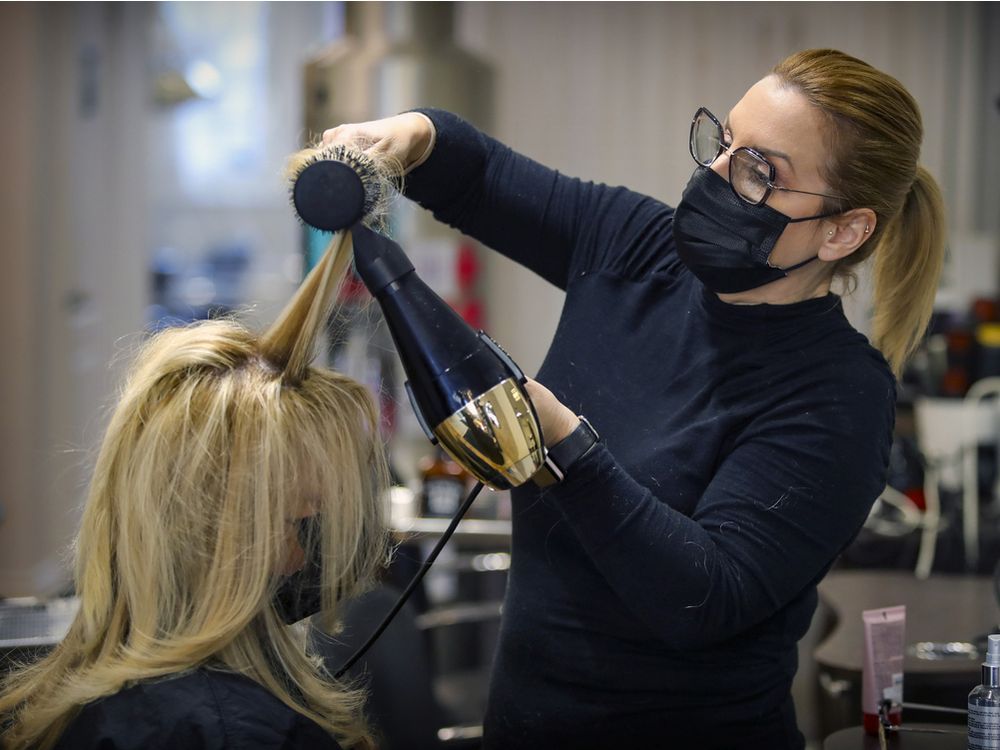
(984, 703)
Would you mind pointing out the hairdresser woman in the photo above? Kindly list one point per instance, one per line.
(657, 594)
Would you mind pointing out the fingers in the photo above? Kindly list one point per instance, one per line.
(533, 386)
(373, 132)
(404, 140)
(556, 420)
(349, 133)
(331, 135)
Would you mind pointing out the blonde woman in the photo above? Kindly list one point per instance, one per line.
(656, 596)
(233, 477)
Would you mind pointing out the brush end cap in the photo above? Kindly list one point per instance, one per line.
(329, 196)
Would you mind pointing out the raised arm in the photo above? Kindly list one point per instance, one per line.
(555, 225)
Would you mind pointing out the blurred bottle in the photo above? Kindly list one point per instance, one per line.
(988, 345)
(986, 310)
(443, 485)
(955, 382)
(961, 355)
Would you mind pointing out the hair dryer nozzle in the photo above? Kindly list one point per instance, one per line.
(378, 260)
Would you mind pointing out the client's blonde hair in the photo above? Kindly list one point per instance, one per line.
(220, 437)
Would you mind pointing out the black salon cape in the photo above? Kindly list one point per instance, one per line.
(204, 709)
(656, 597)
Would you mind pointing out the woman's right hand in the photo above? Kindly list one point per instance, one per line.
(407, 138)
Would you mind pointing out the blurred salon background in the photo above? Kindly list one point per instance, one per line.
(142, 148)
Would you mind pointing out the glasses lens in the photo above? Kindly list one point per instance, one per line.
(706, 138)
(750, 176)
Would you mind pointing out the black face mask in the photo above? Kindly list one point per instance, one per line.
(299, 595)
(726, 241)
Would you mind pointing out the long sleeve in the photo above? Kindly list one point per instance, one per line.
(782, 494)
(783, 503)
(558, 226)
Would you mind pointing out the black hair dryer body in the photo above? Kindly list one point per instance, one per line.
(466, 391)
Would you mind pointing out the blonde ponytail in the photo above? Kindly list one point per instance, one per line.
(907, 265)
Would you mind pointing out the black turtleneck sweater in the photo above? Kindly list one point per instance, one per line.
(656, 596)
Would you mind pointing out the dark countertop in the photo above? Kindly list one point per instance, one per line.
(941, 608)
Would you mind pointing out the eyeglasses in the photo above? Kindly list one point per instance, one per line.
(751, 175)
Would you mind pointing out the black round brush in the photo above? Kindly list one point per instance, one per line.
(335, 187)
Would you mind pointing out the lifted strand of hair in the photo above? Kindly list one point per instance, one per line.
(290, 342)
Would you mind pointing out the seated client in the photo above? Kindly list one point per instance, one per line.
(238, 488)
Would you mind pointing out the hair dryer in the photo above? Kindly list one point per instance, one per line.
(466, 391)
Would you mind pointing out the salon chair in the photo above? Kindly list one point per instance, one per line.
(954, 532)
(949, 434)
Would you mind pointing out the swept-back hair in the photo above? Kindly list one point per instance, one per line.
(220, 437)
(875, 132)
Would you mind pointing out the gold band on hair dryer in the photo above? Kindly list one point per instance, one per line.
(466, 391)
(495, 436)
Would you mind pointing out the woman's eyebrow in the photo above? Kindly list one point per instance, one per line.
(770, 153)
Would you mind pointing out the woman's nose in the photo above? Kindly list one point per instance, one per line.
(295, 558)
(721, 165)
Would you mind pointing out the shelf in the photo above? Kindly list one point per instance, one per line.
(470, 532)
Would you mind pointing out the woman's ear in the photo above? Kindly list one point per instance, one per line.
(846, 233)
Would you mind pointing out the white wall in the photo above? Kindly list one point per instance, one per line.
(74, 280)
(18, 29)
(82, 140)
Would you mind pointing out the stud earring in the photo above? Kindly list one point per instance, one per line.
(866, 228)
(830, 233)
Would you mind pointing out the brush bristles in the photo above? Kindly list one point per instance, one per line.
(379, 175)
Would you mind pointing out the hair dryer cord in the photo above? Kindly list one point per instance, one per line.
(424, 567)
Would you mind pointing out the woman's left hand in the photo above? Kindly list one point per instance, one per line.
(556, 419)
